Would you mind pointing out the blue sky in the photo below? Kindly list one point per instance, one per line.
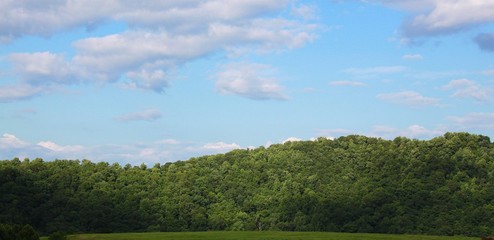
(160, 81)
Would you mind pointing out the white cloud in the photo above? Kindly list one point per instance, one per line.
(465, 88)
(417, 131)
(412, 131)
(50, 17)
(189, 16)
(412, 57)
(292, 139)
(144, 79)
(387, 132)
(11, 146)
(142, 58)
(161, 36)
(410, 98)
(57, 148)
(42, 68)
(347, 83)
(165, 150)
(21, 92)
(449, 16)
(249, 80)
(11, 141)
(478, 121)
(221, 146)
(441, 17)
(35, 18)
(145, 115)
(334, 133)
(136, 153)
(267, 34)
(384, 131)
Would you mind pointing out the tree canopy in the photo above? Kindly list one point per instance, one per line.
(441, 186)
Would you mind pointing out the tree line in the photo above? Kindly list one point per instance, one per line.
(442, 186)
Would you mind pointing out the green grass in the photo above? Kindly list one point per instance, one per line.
(257, 236)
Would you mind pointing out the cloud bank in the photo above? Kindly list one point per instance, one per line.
(165, 150)
(430, 18)
(249, 80)
(161, 36)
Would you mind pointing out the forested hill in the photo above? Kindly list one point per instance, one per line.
(354, 184)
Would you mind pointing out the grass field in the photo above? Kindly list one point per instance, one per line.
(257, 236)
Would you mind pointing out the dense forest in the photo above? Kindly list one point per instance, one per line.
(442, 186)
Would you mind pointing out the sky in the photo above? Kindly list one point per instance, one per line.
(156, 81)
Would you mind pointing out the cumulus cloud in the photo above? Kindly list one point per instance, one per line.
(409, 98)
(57, 148)
(465, 88)
(388, 132)
(33, 18)
(442, 17)
(384, 131)
(11, 141)
(191, 15)
(221, 146)
(18, 92)
(292, 139)
(12, 146)
(139, 55)
(449, 16)
(250, 80)
(334, 133)
(162, 35)
(42, 68)
(165, 150)
(145, 115)
(417, 131)
(155, 80)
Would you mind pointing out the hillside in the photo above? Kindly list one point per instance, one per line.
(443, 186)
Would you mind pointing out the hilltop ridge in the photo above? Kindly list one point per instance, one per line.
(442, 186)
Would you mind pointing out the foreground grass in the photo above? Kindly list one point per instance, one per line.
(257, 236)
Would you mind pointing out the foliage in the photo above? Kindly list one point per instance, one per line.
(443, 186)
(57, 236)
(259, 235)
(17, 232)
